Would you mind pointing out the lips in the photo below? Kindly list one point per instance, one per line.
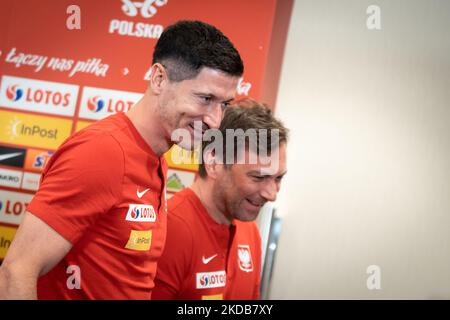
(257, 204)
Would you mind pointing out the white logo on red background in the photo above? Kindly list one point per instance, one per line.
(13, 205)
(38, 96)
(98, 103)
(147, 8)
(245, 258)
(243, 88)
(208, 260)
(140, 194)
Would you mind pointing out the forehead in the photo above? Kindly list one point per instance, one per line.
(270, 165)
(213, 82)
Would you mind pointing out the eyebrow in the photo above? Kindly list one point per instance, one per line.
(266, 175)
(212, 96)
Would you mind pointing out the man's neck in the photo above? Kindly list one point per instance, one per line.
(203, 189)
(145, 118)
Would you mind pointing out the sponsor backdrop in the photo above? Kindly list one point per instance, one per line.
(57, 79)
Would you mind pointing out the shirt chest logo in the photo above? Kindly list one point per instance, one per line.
(215, 279)
(208, 260)
(141, 213)
(139, 240)
(140, 194)
(245, 258)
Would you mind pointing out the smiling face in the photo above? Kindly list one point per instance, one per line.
(195, 104)
(242, 189)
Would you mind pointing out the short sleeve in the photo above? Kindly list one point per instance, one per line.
(175, 262)
(82, 181)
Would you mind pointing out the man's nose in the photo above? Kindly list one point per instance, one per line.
(269, 190)
(214, 116)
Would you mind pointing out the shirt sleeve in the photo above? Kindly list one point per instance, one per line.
(82, 181)
(175, 262)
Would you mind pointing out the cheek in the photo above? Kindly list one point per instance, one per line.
(244, 188)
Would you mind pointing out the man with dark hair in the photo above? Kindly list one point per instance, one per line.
(213, 246)
(96, 227)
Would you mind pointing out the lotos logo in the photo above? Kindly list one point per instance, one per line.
(148, 8)
(47, 97)
(14, 93)
(245, 258)
(213, 279)
(95, 104)
(98, 103)
(141, 213)
(204, 281)
(135, 213)
(38, 96)
(13, 206)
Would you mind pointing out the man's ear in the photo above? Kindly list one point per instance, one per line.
(212, 166)
(158, 78)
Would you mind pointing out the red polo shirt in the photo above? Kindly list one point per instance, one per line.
(104, 191)
(206, 260)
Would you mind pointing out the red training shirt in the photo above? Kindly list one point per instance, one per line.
(206, 260)
(104, 191)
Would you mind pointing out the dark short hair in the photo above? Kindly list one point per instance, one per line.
(187, 46)
(248, 114)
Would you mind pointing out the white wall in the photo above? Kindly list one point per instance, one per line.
(368, 178)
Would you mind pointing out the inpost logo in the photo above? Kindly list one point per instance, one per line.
(31, 130)
(20, 128)
(38, 96)
(139, 240)
(98, 103)
(6, 236)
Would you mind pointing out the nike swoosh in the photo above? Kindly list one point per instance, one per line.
(9, 155)
(207, 260)
(141, 194)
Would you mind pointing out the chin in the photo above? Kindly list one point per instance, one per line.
(248, 217)
(189, 146)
